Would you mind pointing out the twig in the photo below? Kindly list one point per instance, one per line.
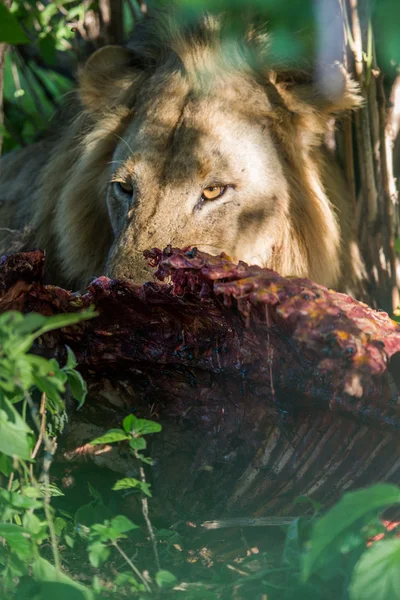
(42, 432)
(10, 481)
(247, 522)
(132, 565)
(145, 510)
(50, 449)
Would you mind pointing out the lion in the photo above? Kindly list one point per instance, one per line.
(176, 141)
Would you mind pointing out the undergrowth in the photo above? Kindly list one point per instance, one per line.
(51, 547)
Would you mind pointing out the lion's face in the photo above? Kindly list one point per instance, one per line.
(195, 169)
(178, 145)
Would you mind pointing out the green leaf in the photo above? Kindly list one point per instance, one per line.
(71, 360)
(337, 522)
(69, 540)
(145, 459)
(30, 323)
(138, 443)
(133, 425)
(49, 590)
(376, 576)
(44, 571)
(131, 482)
(50, 386)
(78, 387)
(11, 31)
(65, 320)
(128, 423)
(165, 579)
(50, 490)
(18, 500)
(91, 513)
(113, 435)
(6, 465)
(15, 435)
(122, 524)
(397, 245)
(98, 553)
(59, 525)
(126, 483)
(15, 536)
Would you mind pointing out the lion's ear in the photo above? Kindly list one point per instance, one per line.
(334, 91)
(330, 92)
(107, 74)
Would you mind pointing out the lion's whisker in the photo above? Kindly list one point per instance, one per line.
(125, 142)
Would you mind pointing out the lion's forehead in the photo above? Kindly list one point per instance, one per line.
(199, 134)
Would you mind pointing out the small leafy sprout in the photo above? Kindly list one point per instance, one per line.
(133, 430)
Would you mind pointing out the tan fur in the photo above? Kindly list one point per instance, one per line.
(174, 114)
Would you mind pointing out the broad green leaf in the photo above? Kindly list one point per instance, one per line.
(15, 537)
(128, 423)
(16, 566)
(133, 425)
(330, 528)
(78, 387)
(376, 576)
(131, 482)
(145, 459)
(144, 427)
(11, 31)
(6, 465)
(18, 500)
(33, 524)
(43, 570)
(88, 514)
(71, 360)
(98, 553)
(138, 443)
(51, 323)
(165, 579)
(66, 320)
(50, 386)
(113, 435)
(30, 323)
(397, 245)
(15, 438)
(69, 540)
(59, 525)
(122, 524)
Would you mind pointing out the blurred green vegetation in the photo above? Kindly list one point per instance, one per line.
(49, 39)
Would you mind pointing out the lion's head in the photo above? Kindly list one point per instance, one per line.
(182, 143)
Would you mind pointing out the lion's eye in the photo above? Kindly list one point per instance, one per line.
(213, 192)
(125, 187)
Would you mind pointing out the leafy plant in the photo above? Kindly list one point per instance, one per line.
(25, 511)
